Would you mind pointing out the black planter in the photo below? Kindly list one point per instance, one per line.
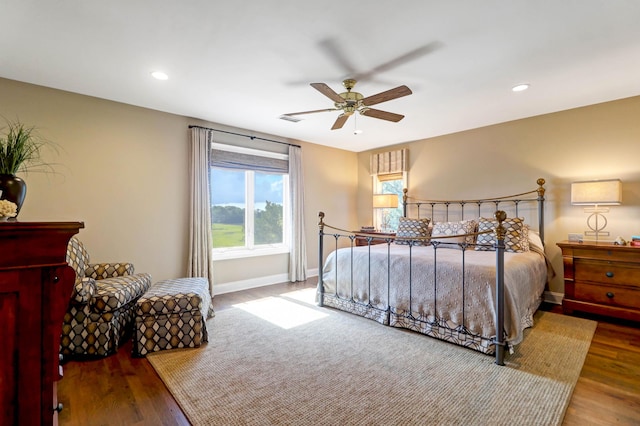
(13, 189)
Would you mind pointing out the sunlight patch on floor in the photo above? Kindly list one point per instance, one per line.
(281, 312)
(306, 295)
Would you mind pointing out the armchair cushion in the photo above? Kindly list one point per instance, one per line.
(114, 293)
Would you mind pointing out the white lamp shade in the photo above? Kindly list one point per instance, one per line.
(385, 201)
(597, 192)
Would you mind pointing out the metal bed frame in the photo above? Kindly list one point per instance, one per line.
(512, 202)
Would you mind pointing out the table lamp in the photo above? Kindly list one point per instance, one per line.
(385, 202)
(597, 193)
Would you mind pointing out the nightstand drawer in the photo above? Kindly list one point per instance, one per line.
(606, 272)
(610, 254)
(608, 295)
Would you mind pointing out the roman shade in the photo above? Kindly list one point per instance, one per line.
(390, 162)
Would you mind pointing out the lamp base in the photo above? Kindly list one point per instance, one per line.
(596, 234)
(597, 222)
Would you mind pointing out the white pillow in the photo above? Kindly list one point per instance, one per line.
(535, 240)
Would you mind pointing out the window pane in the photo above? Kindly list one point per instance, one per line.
(228, 206)
(268, 202)
(393, 187)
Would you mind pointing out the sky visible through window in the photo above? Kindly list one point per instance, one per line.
(228, 187)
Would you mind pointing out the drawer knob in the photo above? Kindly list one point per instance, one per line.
(610, 295)
(609, 274)
(58, 408)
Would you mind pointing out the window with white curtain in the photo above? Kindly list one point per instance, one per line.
(250, 206)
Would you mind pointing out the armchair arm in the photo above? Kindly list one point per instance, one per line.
(101, 271)
(84, 291)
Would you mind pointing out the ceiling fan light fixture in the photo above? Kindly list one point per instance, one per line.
(520, 87)
(351, 102)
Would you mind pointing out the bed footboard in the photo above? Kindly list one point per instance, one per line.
(378, 306)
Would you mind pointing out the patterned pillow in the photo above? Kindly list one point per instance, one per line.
(525, 237)
(461, 228)
(409, 229)
(516, 234)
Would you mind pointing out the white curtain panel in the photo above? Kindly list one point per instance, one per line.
(200, 244)
(298, 253)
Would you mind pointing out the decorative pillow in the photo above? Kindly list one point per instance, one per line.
(525, 237)
(410, 229)
(515, 239)
(461, 228)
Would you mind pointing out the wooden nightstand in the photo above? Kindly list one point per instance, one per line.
(379, 238)
(601, 278)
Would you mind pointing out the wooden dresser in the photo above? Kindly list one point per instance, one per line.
(35, 288)
(601, 278)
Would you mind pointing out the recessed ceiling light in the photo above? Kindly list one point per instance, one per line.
(159, 75)
(520, 87)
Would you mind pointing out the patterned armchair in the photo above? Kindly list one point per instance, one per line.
(102, 307)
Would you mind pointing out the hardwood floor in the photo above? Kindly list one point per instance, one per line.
(121, 390)
(608, 390)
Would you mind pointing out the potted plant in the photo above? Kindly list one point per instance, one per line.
(20, 151)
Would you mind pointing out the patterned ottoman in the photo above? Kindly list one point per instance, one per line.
(172, 314)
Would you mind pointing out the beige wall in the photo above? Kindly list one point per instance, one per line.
(123, 171)
(595, 142)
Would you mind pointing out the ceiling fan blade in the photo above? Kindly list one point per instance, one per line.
(342, 118)
(402, 59)
(334, 50)
(327, 91)
(383, 115)
(311, 112)
(388, 95)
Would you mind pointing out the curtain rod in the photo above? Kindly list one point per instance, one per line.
(240, 134)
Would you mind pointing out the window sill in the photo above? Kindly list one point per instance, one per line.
(242, 253)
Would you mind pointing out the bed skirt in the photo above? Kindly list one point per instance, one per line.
(437, 328)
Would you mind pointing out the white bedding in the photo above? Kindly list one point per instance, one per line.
(525, 279)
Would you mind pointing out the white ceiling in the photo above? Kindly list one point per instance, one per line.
(243, 63)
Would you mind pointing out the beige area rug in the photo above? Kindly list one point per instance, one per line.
(282, 360)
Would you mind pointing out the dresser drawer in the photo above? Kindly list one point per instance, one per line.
(608, 295)
(607, 272)
(610, 254)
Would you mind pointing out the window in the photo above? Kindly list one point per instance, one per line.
(249, 206)
(389, 170)
(389, 184)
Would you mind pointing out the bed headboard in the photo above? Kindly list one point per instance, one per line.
(529, 205)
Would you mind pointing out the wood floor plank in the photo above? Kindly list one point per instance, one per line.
(120, 389)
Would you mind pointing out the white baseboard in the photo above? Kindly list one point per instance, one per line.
(250, 283)
(255, 282)
(552, 297)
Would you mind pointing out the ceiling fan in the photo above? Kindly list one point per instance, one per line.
(351, 102)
